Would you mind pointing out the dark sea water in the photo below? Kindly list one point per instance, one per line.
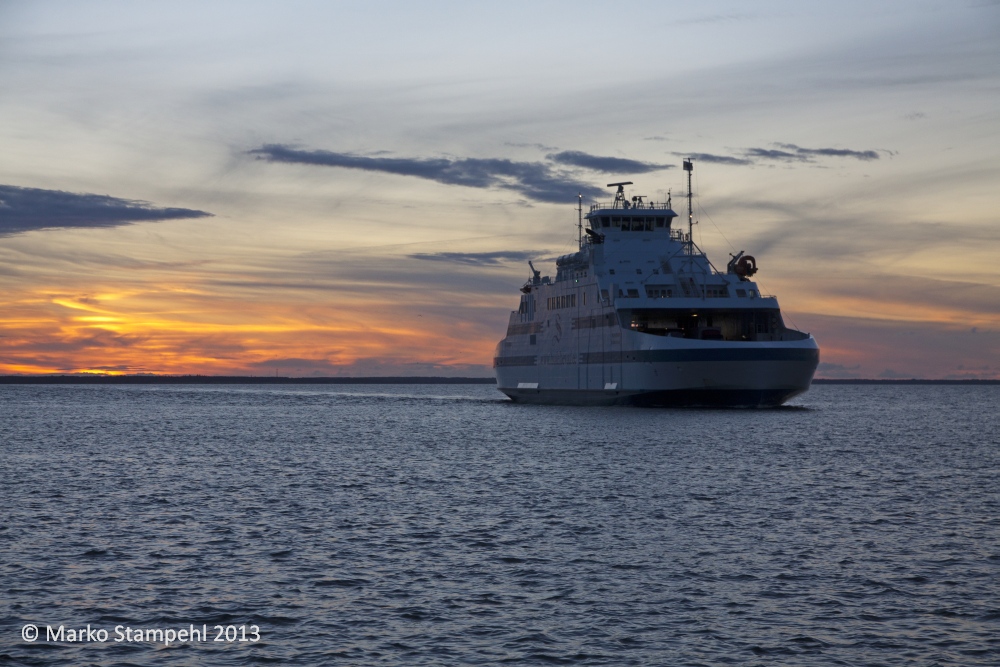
(440, 525)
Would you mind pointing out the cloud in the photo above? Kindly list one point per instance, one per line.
(28, 209)
(615, 165)
(783, 153)
(541, 147)
(716, 159)
(772, 154)
(791, 152)
(497, 258)
(809, 228)
(534, 180)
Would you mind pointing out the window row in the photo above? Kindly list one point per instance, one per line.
(694, 290)
(635, 224)
(564, 301)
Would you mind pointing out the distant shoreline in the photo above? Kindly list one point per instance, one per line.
(233, 379)
(910, 381)
(250, 379)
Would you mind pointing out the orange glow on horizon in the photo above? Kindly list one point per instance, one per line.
(177, 329)
(870, 309)
(122, 333)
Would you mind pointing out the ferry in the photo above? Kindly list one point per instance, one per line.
(640, 316)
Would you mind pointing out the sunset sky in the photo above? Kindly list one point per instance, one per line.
(354, 188)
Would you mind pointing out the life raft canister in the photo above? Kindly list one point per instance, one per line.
(746, 266)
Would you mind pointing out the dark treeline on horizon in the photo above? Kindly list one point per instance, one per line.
(897, 381)
(232, 379)
(251, 379)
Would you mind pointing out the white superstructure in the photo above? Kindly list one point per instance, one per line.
(640, 316)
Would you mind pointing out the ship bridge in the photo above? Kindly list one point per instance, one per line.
(636, 215)
(651, 218)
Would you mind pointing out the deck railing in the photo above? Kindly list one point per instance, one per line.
(644, 206)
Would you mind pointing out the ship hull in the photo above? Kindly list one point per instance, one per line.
(694, 374)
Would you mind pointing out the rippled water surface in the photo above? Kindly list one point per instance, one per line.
(436, 525)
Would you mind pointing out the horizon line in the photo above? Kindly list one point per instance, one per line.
(193, 378)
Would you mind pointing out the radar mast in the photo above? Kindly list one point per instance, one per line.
(689, 168)
(620, 201)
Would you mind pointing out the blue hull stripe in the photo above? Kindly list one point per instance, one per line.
(670, 356)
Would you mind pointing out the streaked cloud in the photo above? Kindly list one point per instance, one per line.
(782, 152)
(539, 181)
(776, 154)
(29, 209)
(519, 144)
(535, 180)
(612, 165)
(497, 258)
(793, 152)
(807, 229)
(716, 159)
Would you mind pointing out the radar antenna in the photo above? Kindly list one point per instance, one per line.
(620, 201)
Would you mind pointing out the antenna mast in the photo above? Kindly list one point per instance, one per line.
(689, 168)
(579, 220)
